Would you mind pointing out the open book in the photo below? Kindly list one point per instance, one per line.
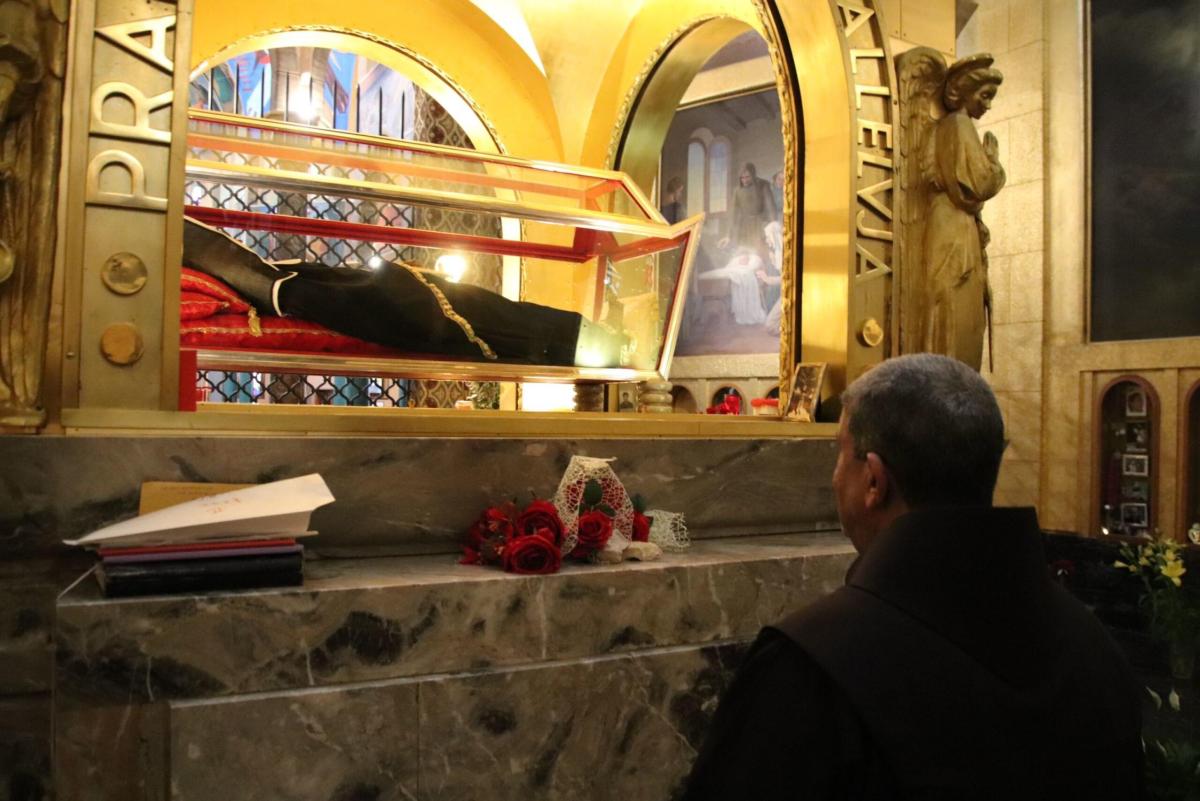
(277, 509)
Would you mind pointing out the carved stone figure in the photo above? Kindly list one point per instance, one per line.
(32, 58)
(947, 173)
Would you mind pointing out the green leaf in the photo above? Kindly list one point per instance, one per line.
(592, 492)
(639, 504)
(608, 510)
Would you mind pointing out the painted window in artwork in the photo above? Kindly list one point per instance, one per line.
(697, 167)
(1128, 428)
(718, 174)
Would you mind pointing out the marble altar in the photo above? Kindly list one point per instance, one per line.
(415, 677)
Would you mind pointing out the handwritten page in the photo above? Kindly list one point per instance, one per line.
(280, 508)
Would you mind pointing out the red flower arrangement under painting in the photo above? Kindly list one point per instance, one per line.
(534, 540)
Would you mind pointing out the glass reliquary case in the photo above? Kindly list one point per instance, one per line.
(311, 250)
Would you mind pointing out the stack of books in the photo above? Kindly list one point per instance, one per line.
(241, 539)
(201, 566)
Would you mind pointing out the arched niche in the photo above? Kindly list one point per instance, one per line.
(1190, 453)
(683, 401)
(496, 273)
(1126, 438)
(726, 390)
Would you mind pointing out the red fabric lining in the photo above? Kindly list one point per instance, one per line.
(277, 333)
(197, 306)
(195, 282)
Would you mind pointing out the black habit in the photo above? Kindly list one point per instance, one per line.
(950, 666)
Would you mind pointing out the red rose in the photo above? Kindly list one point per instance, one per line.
(487, 535)
(641, 527)
(540, 516)
(533, 554)
(595, 528)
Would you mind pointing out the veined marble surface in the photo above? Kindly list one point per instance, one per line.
(370, 619)
(598, 669)
(409, 495)
(625, 727)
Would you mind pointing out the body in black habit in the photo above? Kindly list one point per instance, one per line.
(950, 665)
(396, 305)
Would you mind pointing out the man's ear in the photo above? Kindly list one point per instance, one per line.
(879, 483)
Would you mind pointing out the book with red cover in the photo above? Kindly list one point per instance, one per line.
(184, 554)
(137, 550)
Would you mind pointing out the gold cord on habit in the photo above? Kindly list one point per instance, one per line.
(448, 310)
(255, 326)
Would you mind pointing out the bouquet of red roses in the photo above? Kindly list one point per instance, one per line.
(528, 541)
(532, 540)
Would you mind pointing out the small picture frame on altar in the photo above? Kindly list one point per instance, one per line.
(626, 400)
(805, 392)
(1134, 515)
(1135, 464)
(1135, 402)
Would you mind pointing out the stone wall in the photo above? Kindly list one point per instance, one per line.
(1013, 32)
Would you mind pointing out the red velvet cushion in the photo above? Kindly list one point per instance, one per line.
(277, 333)
(196, 305)
(195, 281)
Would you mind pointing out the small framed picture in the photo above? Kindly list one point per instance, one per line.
(805, 392)
(1136, 490)
(1137, 437)
(1134, 515)
(626, 399)
(1135, 402)
(1135, 464)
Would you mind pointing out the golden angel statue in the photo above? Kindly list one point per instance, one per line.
(946, 174)
(33, 52)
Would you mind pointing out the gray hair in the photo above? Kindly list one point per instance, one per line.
(936, 425)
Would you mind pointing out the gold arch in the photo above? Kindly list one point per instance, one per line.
(808, 58)
(422, 72)
(480, 67)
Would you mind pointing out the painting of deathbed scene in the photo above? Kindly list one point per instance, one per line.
(724, 157)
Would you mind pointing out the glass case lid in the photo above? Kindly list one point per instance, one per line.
(269, 152)
(579, 242)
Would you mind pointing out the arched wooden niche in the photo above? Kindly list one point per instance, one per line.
(1127, 448)
(1191, 465)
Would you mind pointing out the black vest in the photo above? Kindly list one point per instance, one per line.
(975, 674)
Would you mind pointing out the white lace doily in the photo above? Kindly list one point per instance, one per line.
(579, 472)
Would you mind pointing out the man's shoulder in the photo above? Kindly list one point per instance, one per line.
(835, 615)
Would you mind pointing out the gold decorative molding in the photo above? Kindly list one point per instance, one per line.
(792, 156)
(768, 29)
(873, 257)
(639, 81)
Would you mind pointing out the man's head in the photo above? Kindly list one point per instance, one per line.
(674, 187)
(916, 432)
(748, 174)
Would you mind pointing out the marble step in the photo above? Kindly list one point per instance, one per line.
(371, 619)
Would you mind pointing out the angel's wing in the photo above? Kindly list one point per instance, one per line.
(921, 75)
